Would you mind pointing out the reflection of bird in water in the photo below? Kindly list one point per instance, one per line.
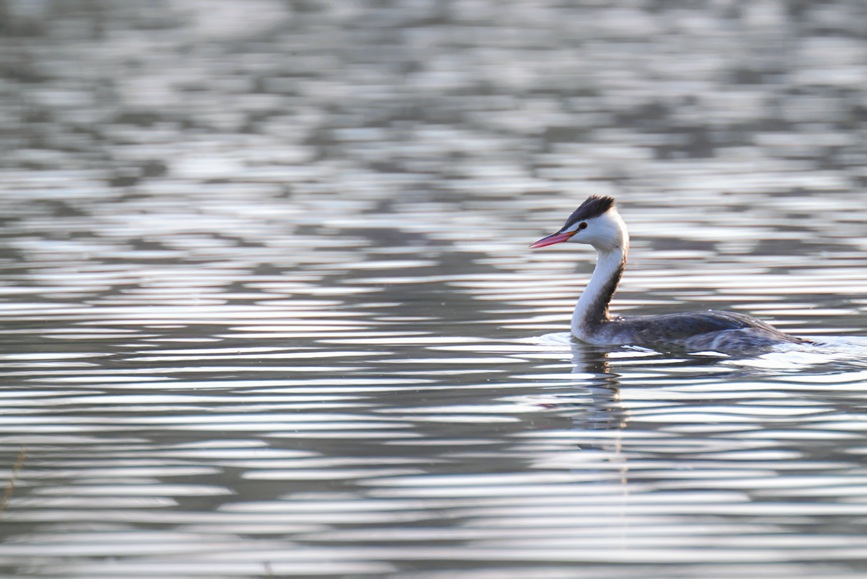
(605, 412)
(597, 223)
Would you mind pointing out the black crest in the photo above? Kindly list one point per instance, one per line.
(593, 206)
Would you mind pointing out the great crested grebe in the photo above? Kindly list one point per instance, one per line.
(596, 222)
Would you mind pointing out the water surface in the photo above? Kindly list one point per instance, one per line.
(268, 307)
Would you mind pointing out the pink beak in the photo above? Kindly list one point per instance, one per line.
(552, 239)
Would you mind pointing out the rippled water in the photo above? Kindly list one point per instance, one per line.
(268, 308)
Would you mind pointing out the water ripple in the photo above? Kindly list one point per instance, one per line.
(268, 308)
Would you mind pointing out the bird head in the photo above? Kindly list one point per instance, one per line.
(596, 222)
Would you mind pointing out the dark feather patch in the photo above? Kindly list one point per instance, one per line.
(593, 206)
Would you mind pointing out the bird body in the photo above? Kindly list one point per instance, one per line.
(596, 222)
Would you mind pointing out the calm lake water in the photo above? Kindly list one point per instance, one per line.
(268, 307)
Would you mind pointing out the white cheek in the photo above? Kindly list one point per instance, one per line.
(581, 236)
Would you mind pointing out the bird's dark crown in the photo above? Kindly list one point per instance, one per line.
(593, 206)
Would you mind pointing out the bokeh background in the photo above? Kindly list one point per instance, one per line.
(268, 308)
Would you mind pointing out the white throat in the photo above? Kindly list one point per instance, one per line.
(592, 307)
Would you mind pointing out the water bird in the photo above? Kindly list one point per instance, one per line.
(597, 223)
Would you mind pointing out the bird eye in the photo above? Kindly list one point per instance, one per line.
(582, 225)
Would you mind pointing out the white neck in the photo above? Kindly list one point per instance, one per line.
(592, 308)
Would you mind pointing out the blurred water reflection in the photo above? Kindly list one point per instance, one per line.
(268, 307)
